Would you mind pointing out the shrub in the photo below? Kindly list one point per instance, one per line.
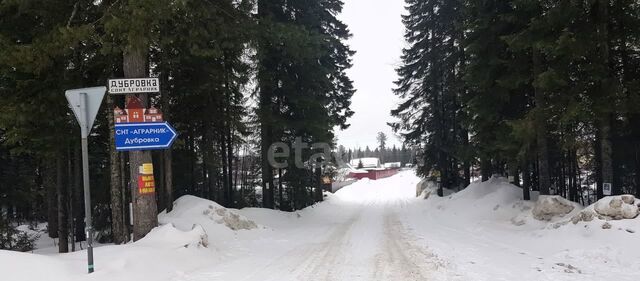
(15, 240)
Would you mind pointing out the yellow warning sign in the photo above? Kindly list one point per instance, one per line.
(146, 169)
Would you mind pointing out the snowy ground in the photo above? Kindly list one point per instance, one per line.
(370, 230)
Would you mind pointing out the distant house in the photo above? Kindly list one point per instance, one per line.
(136, 113)
(367, 163)
(392, 165)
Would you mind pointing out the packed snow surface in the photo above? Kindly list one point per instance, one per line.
(370, 230)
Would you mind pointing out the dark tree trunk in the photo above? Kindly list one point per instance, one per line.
(159, 176)
(63, 228)
(637, 181)
(485, 168)
(168, 178)
(145, 209)
(573, 186)
(228, 132)
(280, 191)
(318, 180)
(606, 153)
(513, 172)
(603, 112)
(231, 188)
(225, 174)
(69, 200)
(78, 196)
(544, 179)
(126, 196)
(52, 198)
(167, 155)
(118, 223)
(266, 108)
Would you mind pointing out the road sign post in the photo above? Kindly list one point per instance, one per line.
(85, 104)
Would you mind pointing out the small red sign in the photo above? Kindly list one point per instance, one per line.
(146, 184)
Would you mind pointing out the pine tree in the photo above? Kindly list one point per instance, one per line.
(430, 85)
(303, 86)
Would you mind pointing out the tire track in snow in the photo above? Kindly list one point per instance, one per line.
(367, 242)
(314, 261)
(401, 258)
(322, 262)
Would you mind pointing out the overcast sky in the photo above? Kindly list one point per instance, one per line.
(377, 31)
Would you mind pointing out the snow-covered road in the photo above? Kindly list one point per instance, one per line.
(379, 230)
(370, 230)
(357, 235)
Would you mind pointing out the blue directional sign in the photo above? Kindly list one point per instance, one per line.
(144, 136)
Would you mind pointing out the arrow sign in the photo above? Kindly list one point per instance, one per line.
(144, 136)
(85, 104)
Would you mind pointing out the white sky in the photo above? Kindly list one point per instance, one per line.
(377, 31)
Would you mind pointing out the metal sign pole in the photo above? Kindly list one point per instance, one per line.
(84, 130)
(85, 104)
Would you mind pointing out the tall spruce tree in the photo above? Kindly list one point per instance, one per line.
(303, 87)
(430, 85)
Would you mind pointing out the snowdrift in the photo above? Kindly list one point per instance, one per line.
(488, 224)
(183, 242)
(191, 212)
(22, 266)
(167, 236)
(493, 200)
(499, 201)
(612, 212)
(548, 207)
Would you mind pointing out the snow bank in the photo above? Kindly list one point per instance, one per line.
(617, 207)
(426, 188)
(161, 255)
(625, 207)
(487, 232)
(498, 202)
(17, 266)
(190, 211)
(182, 243)
(493, 200)
(167, 236)
(549, 206)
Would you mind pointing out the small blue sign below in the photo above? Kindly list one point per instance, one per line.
(144, 136)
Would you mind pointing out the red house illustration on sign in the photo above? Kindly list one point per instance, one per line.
(135, 113)
(153, 115)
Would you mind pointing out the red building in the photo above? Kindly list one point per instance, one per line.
(136, 113)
